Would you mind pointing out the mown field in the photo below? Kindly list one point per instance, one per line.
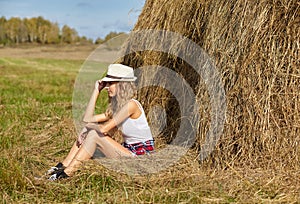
(37, 130)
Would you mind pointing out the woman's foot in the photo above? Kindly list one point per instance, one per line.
(58, 175)
(56, 169)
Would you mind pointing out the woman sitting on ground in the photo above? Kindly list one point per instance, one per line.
(123, 111)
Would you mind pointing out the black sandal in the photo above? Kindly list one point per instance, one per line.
(56, 168)
(58, 175)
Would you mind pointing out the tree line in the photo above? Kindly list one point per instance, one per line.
(41, 31)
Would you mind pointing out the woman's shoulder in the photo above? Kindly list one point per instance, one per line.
(135, 109)
(136, 102)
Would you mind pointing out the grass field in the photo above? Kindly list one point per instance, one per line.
(37, 130)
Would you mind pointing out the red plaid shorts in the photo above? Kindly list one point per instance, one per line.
(141, 147)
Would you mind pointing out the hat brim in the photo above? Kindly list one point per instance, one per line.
(122, 79)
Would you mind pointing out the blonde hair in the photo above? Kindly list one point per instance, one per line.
(125, 92)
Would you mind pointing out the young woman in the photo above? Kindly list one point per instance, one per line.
(123, 112)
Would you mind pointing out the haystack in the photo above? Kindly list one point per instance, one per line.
(255, 47)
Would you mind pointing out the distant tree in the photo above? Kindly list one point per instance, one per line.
(31, 25)
(112, 35)
(68, 35)
(99, 41)
(2, 30)
(84, 40)
(23, 33)
(43, 29)
(115, 44)
(37, 30)
(53, 34)
(12, 28)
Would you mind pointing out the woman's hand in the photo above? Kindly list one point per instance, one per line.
(98, 128)
(83, 134)
(99, 85)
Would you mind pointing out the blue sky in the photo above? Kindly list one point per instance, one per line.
(90, 18)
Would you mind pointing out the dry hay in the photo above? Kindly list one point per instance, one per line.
(255, 46)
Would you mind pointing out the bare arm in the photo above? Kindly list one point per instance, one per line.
(130, 109)
(89, 115)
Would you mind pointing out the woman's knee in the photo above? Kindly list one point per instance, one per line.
(90, 142)
(92, 134)
(95, 136)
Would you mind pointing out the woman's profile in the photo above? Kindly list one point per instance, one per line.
(123, 111)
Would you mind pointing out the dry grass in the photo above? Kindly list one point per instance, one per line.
(255, 46)
(79, 52)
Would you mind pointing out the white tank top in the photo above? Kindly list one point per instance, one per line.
(136, 130)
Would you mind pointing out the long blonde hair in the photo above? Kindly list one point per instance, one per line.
(125, 92)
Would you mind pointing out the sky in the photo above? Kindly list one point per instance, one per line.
(90, 18)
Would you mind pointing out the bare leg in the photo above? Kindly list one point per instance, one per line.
(109, 147)
(81, 156)
(71, 155)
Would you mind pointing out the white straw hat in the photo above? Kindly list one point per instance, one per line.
(119, 72)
